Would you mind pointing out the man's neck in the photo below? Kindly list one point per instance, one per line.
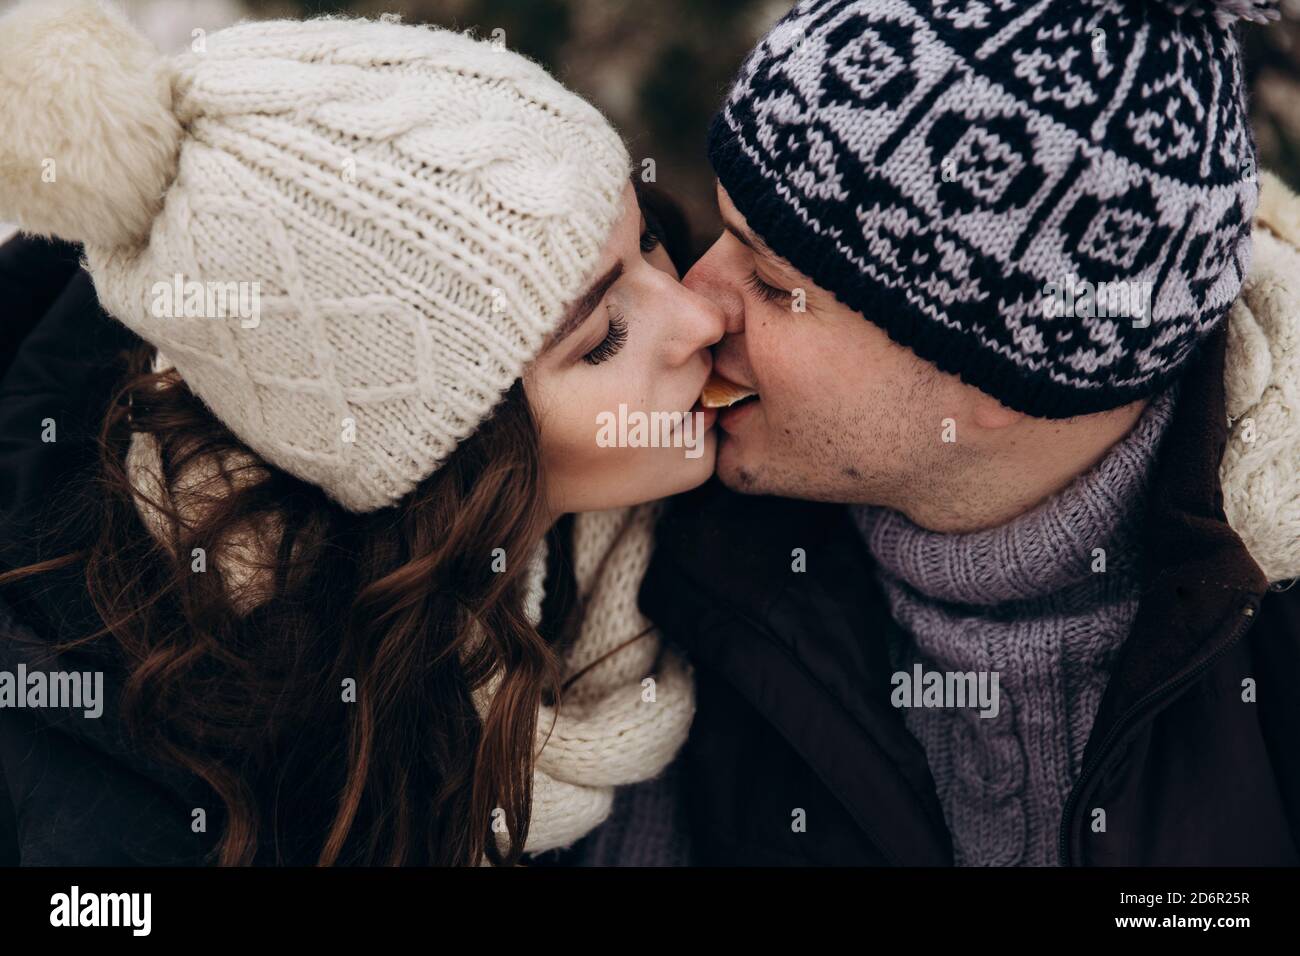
(1040, 460)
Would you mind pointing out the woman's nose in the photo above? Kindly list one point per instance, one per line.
(716, 277)
(702, 322)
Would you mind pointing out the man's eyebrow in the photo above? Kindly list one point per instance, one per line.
(761, 248)
(586, 304)
(747, 238)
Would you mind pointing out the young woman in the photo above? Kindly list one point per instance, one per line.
(360, 574)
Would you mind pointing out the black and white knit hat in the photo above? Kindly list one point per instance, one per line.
(1049, 198)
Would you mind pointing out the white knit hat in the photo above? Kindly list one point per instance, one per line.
(411, 211)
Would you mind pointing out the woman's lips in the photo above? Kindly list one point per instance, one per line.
(721, 392)
(710, 415)
(736, 401)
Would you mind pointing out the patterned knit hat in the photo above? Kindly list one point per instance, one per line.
(408, 210)
(1050, 199)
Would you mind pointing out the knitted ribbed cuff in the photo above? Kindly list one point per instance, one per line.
(953, 348)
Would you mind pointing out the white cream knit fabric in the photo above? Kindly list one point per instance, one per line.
(628, 701)
(1260, 470)
(416, 209)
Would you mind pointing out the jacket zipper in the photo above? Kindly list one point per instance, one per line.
(1246, 618)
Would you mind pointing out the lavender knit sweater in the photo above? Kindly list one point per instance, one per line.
(1024, 601)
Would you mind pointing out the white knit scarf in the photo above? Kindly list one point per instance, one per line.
(628, 701)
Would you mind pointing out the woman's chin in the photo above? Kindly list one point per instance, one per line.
(686, 472)
(652, 475)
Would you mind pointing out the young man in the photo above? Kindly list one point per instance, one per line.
(970, 594)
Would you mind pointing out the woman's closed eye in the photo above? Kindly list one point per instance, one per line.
(613, 340)
(617, 334)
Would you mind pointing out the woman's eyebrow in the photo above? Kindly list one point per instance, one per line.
(586, 304)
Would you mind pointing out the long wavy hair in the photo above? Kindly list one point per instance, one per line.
(350, 682)
(333, 715)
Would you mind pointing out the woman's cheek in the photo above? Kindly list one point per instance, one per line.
(582, 449)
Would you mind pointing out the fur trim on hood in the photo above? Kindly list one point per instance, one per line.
(1260, 470)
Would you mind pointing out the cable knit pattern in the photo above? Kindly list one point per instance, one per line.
(606, 732)
(1021, 600)
(1261, 463)
(416, 209)
(613, 727)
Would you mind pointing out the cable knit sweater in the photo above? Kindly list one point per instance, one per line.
(1021, 600)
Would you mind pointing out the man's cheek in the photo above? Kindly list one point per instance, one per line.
(795, 397)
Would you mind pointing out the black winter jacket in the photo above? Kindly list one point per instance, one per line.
(73, 790)
(793, 685)
(793, 692)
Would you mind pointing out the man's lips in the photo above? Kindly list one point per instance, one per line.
(722, 392)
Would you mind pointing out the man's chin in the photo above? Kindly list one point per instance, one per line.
(735, 472)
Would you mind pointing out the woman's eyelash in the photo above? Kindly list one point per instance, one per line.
(649, 240)
(653, 236)
(763, 291)
(612, 342)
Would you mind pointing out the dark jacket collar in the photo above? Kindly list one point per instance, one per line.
(721, 578)
(804, 648)
(1198, 574)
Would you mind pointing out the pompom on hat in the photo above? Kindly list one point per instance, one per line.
(408, 212)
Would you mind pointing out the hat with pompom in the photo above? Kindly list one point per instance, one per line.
(1049, 198)
(348, 236)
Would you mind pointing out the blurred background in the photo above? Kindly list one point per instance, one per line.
(660, 69)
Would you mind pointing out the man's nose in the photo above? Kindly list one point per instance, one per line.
(715, 276)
